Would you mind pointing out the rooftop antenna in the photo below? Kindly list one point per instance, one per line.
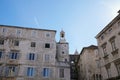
(36, 21)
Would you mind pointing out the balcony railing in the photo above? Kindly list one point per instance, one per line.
(12, 61)
(115, 54)
(106, 59)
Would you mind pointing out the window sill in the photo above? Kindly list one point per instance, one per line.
(105, 56)
(114, 52)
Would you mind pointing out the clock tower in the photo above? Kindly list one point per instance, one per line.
(62, 48)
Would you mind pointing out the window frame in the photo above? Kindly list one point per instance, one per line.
(4, 30)
(16, 42)
(2, 41)
(18, 32)
(33, 44)
(30, 72)
(47, 57)
(31, 56)
(47, 45)
(14, 55)
(61, 73)
(104, 49)
(46, 72)
(1, 54)
(11, 70)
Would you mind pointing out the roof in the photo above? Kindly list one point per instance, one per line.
(89, 47)
(109, 25)
(26, 28)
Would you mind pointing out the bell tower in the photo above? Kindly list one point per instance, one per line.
(62, 37)
(62, 48)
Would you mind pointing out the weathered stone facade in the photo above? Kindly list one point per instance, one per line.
(88, 64)
(109, 50)
(33, 54)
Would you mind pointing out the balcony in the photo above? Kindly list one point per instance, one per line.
(106, 59)
(13, 61)
(8, 78)
(14, 48)
(105, 55)
(115, 54)
(11, 74)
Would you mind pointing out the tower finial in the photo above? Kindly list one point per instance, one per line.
(76, 52)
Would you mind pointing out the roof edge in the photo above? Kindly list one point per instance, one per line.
(108, 25)
(27, 28)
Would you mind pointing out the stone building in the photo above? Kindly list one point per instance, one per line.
(73, 66)
(109, 49)
(88, 64)
(33, 54)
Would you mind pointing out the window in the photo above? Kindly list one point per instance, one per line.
(62, 52)
(47, 45)
(11, 71)
(118, 68)
(61, 73)
(108, 71)
(16, 42)
(31, 56)
(14, 55)
(33, 33)
(46, 72)
(104, 49)
(65, 60)
(47, 57)
(113, 45)
(1, 69)
(98, 63)
(47, 34)
(1, 54)
(1, 42)
(102, 37)
(110, 30)
(30, 71)
(18, 32)
(33, 44)
(4, 30)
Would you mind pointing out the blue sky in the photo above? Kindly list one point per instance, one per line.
(82, 20)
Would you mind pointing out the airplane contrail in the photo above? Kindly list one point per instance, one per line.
(36, 21)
